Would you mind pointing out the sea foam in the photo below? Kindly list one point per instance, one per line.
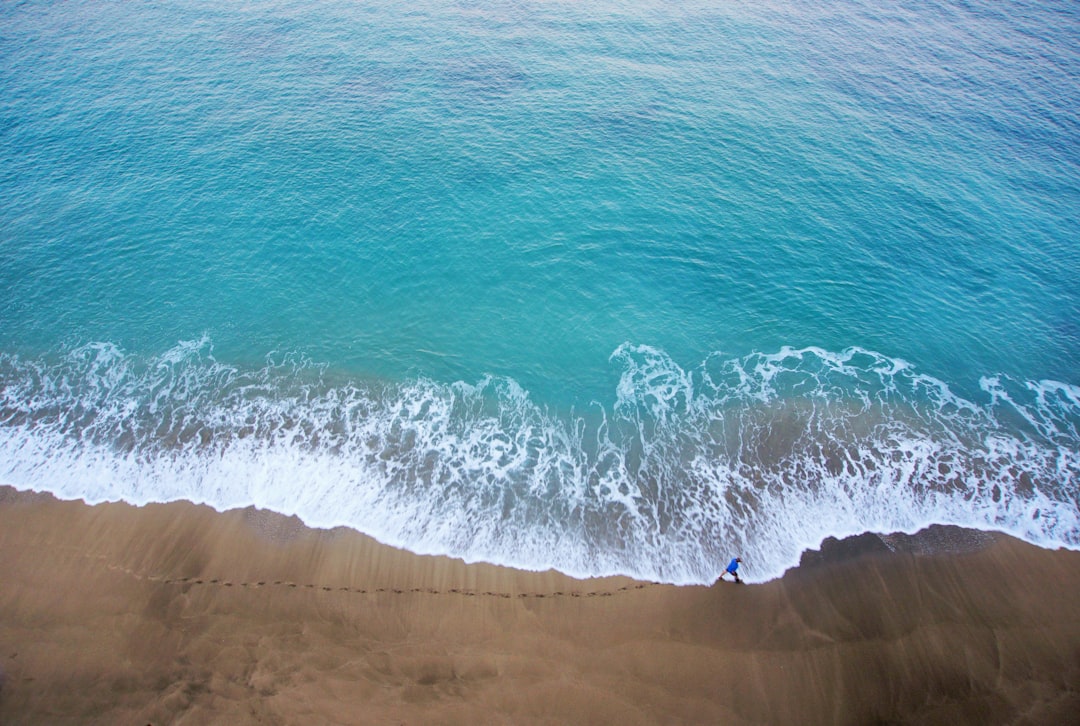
(763, 455)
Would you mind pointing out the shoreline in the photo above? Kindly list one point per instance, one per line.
(175, 613)
(395, 461)
(929, 539)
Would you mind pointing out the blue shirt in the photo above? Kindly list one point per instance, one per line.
(733, 565)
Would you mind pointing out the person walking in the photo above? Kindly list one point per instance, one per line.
(732, 569)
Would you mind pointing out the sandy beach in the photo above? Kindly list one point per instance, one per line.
(174, 613)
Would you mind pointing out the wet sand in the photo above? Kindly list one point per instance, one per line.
(177, 614)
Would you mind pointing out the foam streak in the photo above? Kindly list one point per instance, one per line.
(764, 455)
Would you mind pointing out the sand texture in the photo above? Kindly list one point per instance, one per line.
(176, 614)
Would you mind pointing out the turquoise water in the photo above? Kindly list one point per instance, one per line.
(604, 287)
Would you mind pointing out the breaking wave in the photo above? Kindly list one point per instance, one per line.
(763, 455)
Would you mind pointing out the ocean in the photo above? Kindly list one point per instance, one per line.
(607, 287)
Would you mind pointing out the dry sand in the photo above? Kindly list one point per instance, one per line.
(174, 613)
